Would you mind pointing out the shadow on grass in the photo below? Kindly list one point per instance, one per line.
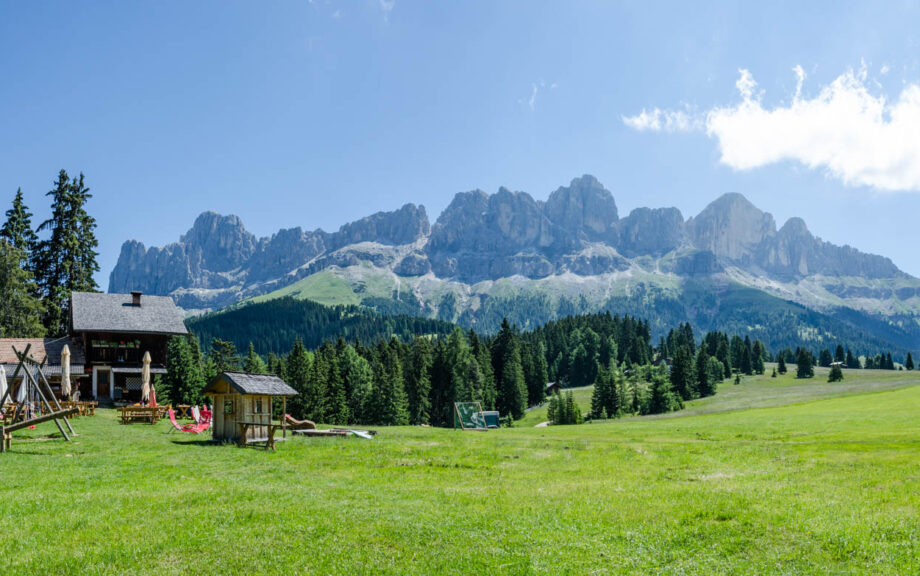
(197, 442)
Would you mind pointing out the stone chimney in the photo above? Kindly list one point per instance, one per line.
(136, 297)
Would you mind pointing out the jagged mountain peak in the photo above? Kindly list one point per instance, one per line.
(584, 207)
(731, 227)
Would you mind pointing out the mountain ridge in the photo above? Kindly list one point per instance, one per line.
(576, 235)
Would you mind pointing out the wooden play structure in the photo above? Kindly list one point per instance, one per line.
(34, 404)
(242, 407)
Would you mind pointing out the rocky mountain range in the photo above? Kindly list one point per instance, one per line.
(574, 245)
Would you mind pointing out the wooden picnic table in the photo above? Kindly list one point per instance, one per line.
(183, 411)
(139, 413)
(269, 440)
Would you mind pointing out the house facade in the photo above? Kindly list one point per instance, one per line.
(114, 331)
(109, 334)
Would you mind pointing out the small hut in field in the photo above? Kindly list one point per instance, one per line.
(239, 397)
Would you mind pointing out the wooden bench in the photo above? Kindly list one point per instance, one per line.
(269, 440)
(139, 414)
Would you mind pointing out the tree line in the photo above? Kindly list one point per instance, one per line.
(41, 265)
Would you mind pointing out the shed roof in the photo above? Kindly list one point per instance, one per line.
(92, 312)
(266, 384)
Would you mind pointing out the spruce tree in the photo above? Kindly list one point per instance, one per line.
(909, 363)
(781, 364)
(253, 363)
(297, 375)
(17, 230)
(804, 366)
(683, 377)
(662, 397)
(704, 381)
(824, 358)
(391, 405)
(836, 374)
(757, 355)
(65, 261)
(506, 363)
(839, 354)
(417, 377)
(20, 310)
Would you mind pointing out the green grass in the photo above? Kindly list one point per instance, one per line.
(820, 487)
(324, 287)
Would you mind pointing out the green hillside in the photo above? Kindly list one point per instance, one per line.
(708, 303)
(818, 487)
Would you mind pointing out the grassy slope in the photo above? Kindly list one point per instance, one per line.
(821, 487)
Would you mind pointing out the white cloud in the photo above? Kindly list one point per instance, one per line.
(533, 97)
(657, 120)
(845, 130)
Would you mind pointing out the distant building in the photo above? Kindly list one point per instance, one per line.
(114, 331)
(109, 334)
(552, 388)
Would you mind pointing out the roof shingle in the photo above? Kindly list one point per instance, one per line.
(92, 312)
(267, 384)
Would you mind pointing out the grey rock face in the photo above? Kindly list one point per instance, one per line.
(585, 208)
(731, 228)
(648, 231)
(487, 237)
(402, 226)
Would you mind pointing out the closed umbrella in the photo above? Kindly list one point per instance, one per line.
(2, 382)
(23, 388)
(65, 372)
(145, 378)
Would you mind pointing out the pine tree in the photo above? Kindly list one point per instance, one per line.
(704, 381)
(253, 363)
(839, 354)
(683, 378)
(65, 261)
(184, 381)
(416, 374)
(17, 230)
(836, 374)
(747, 364)
(662, 397)
(224, 356)
(909, 363)
(506, 363)
(824, 358)
(391, 405)
(757, 355)
(781, 364)
(358, 377)
(20, 310)
(804, 367)
(297, 374)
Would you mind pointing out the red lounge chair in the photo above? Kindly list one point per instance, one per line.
(198, 428)
(172, 418)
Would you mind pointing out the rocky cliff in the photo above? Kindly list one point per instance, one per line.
(481, 237)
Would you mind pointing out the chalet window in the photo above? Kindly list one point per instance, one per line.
(258, 409)
(228, 407)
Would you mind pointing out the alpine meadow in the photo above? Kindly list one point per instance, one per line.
(395, 287)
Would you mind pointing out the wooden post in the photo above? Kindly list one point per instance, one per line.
(283, 417)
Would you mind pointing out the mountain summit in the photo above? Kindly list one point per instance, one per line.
(573, 246)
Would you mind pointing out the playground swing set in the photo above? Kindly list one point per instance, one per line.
(33, 405)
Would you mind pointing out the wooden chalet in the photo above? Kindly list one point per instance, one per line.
(113, 331)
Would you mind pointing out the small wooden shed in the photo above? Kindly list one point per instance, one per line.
(239, 397)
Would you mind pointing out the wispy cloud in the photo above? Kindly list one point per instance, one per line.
(851, 134)
(387, 6)
(535, 89)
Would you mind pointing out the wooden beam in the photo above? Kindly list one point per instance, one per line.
(45, 418)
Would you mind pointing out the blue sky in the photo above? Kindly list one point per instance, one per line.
(317, 113)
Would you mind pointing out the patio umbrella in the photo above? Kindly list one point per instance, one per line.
(2, 382)
(65, 372)
(23, 388)
(145, 378)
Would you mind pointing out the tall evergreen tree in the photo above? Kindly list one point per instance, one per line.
(683, 379)
(662, 396)
(17, 230)
(391, 405)
(297, 374)
(20, 310)
(757, 354)
(224, 356)
(417, 377)
(704, 378)
(839, 354)
(506, 363)
(804, 364)
(781, 364)
(909, 362)
(65, 260)
(253, 363)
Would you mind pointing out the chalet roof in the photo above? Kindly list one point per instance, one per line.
(267, 384)
(93, 312)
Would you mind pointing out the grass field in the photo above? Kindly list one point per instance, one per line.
(826, 486)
